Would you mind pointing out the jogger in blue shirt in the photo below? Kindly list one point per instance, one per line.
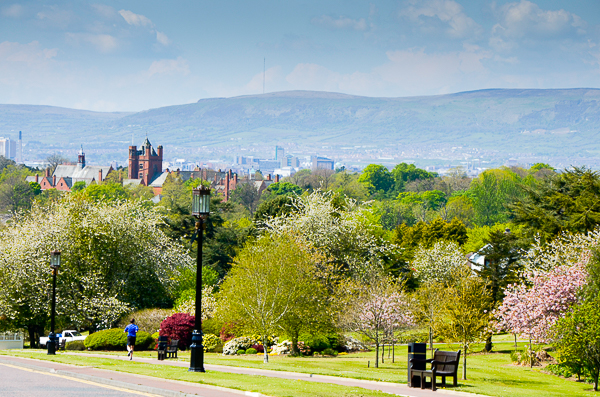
(131, 331)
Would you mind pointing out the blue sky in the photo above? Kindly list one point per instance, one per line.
(136, 55)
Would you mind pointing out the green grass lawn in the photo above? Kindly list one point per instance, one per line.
(490, 374)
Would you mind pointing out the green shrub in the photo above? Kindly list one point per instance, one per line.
(144, 341)
(251, 351)
(116, 339)
(109, 339)
(317, 343)
(241, 351)
(329, 352)
(75, 345)
(155, 335)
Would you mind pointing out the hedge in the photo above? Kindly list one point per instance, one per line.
(116, 339)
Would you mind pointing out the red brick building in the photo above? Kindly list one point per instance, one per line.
(145, 164)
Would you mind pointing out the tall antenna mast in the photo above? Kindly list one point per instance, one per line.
(264, 72)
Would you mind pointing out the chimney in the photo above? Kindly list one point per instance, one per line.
(235, 179)
(47, 172)
(54, 180)
(37, 178)
(268, 177)
(192, 175)
(276, 178)
(177, 171)
(100, 175)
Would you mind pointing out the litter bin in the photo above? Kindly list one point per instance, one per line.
(163, 342)
(418, 351)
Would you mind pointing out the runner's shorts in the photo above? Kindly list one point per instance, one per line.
(131, 340)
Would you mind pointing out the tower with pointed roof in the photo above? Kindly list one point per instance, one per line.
(146, 163)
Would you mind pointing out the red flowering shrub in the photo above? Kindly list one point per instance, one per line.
(259, 348)
(179, 326)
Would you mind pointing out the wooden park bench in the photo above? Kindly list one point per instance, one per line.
(442, 364)
(171, 350)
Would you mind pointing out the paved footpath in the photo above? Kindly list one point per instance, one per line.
(161, 387)
(387, 387)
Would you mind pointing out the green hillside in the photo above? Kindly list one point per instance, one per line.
(550, 122)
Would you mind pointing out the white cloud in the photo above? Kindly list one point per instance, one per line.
(162, 38)
(25, 64)
(135, 19)
(168, 66)
(12, 11)
(103, 42)
(429, 12)
(340, 23)
(104, 10)
(518, 20)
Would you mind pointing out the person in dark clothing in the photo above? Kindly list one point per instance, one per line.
(131, 331)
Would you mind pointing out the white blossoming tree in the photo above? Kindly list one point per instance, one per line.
(340, 229)
(437, 264)
(114, 258)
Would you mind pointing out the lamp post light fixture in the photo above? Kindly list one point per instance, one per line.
(55, 265)
(200, 209)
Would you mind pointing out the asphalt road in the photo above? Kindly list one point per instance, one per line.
(24, 382)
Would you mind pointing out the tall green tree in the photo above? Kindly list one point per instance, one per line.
(577, 337)
(268, 287)
(490, 194)
(404, 173)
(501, 266)
(465, 311)
(376, 178)
(565, 202)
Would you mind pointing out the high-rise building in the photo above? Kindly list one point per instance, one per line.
(8, 148)
(279, 153)
(20, 157)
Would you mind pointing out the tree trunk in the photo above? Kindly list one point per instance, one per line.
(431, 339)
(377, 354)
(265, 347)
(488, 344)
(34, 335)
(393, 351)
(382, 352)
(530, 354)
(295, 350)
(465, 362)
(515, 340)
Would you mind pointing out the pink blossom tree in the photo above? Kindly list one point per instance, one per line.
(375, 313)
(532, 311)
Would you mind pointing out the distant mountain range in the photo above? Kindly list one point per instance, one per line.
(542, 122)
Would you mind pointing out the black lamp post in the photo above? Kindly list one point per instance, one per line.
(54, 264)
(200, 209)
